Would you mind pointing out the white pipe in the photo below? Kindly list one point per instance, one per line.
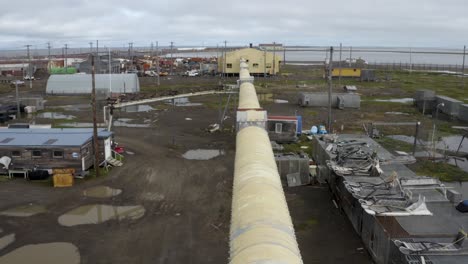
(248, 97)
(261, 227)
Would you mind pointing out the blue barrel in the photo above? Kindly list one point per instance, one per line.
(299, 125)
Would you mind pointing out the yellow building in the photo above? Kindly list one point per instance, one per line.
(259, 61)
(346, 72)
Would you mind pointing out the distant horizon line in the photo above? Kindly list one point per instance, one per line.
(236, 46)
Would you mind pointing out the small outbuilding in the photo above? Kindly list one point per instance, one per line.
(69, 84)
(339, 100)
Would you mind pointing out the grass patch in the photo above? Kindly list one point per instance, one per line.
(393, 144)
(52, 109)
(296, 146)
(442, 171)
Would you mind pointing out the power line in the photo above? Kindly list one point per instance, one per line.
(48, 57)
(29, 67)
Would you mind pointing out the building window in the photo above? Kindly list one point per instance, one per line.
(229, 65)
(16, 154)
(255, 65)
(57, 154)
(268, 65)
(36, 154)
(246, 60)
(278, 128)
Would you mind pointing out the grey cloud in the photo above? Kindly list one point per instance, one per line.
(313, 22)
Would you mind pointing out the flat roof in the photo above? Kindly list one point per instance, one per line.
(19, 137)
(444, 221)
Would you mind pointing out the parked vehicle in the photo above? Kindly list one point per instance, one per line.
(151, 73)
(27, 77)
(15, 82)
(192, 73)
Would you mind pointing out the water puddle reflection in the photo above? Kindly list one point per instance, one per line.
(184, 101)
(100, 213)
(101, 192)
(137, 108)
(54, 115)
(58, 252)
(396, 100)
(24, 210)
(202, 154)
(6, 240)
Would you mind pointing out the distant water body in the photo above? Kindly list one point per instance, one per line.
(444, 56)
(371, 55)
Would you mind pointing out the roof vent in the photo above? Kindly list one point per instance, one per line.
(6, 140)
(50, 141)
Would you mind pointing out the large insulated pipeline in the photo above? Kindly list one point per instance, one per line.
(248, 97)
(261, 227)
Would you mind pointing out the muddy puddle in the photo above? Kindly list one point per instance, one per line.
(121, 122)
(184, 101)
(54, 115)
(202, 154)
(101, 192)
(81, 124)
(24, 210)
(396, 113)
(125, 122)
(280, 101)
(6, 240)
(396, 100)
(449, 143)
(461, 187)
(100, 213)
(77, 107)
(137, 108)
(58, 252)
(461, 163)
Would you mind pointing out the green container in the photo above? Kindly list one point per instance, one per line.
(70, 70)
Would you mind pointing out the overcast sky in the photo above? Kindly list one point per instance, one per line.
(406, 23)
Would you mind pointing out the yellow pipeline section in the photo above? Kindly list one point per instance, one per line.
(248, 97)
(261, 228)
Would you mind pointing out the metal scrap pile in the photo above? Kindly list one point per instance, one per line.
(354, 158)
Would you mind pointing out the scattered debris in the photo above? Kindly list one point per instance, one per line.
(213, 128)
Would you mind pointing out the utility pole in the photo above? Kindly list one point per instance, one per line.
(339, 65)
(130, 52)
(330, 72)
(18, 110)
(350, 55)
(29, 68)
(463, 66)
(48, 57)
(274, 57)
(157, 62)
(284, 54)
(98, 66)
(172, 62)
(410, 60)
(224, 59)
(110, 72)
(93, 102)
(151, 51)
(217, 57)
(65, 61)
